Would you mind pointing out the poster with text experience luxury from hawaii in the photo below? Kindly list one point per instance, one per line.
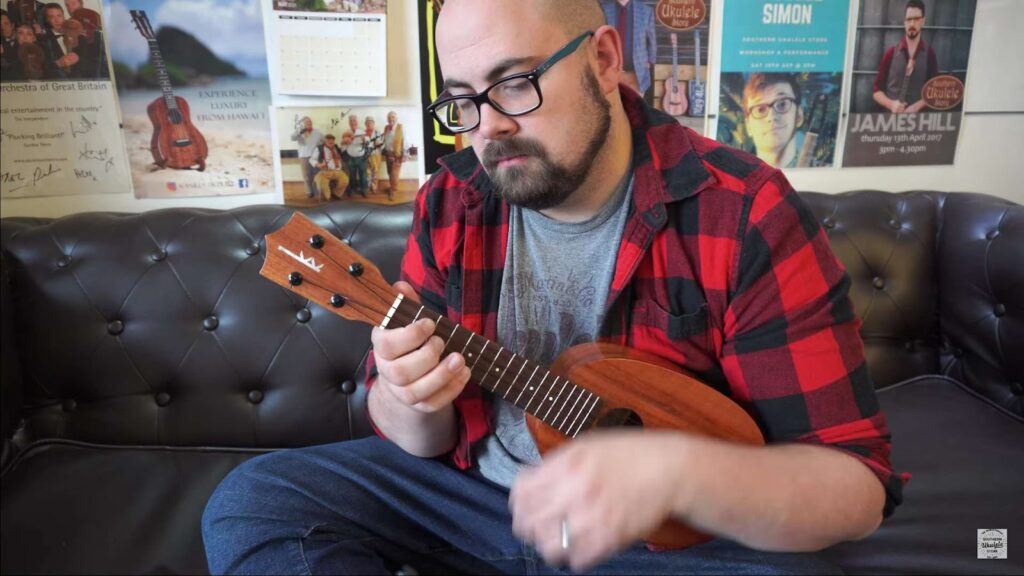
(910, 63)
(59, 127)
(192, 83)
(782, 78)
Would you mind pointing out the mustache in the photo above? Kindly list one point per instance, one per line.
(500, 149)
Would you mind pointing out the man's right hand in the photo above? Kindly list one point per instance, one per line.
(410, 367)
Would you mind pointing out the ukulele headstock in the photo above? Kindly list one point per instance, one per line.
(141, 22)
(308, 260)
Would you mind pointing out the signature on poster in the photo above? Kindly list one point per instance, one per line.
(38, 175)
(87, 153)
(82, 126)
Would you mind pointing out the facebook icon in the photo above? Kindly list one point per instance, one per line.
(243, 183)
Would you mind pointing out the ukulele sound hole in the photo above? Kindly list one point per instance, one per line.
(620, 417)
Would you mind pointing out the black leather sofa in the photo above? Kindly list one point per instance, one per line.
(143, 358)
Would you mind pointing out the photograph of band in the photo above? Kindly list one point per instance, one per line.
(342, 153)
(789, 120)
(352, 6)
(910, 65)
(52, 41)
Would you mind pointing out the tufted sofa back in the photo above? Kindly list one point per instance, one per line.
(156, 328)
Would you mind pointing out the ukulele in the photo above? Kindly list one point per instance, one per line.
(176, 142)
(590, 386)
(674, 100)
(815, 125)
(696, 86)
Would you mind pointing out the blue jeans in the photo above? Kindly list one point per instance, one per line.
(367, 507)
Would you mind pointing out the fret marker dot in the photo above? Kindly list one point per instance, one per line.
(496, 370)
(551, 399)
(531, 387)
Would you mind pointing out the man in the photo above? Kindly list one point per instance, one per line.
(695, 253)
(327, 158)
(308, 139)
(772, 113)
(81, 61)
(634, 21)
(906, 67)
(10, 67)
(374, 143)
(38, 24)
(33, 63)
(394, 149)
(355, 142)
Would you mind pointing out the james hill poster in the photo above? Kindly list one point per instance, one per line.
(781, 80)
(910, 62)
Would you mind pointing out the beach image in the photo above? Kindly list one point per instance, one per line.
(194, 94)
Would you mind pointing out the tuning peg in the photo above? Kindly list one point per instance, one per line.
(295, 278)
(337, 300)
(356, 269)
(316, 241)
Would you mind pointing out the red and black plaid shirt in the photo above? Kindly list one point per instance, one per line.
(721, 269)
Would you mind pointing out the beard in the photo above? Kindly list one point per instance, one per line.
(912, 34)
(550, 183)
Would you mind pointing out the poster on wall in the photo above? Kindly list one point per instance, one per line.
(345, 153)
(666, 60)
(192, 84)
(327, 47)
(782, 78)
(910, 63)
(59, 131)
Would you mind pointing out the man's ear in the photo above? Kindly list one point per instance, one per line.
(607, 53)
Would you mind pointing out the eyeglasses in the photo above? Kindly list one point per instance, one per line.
(513, 95)
(781, 106)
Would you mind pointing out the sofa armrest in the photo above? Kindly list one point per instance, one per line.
(10, 369)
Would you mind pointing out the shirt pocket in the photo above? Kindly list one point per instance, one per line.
(685, 337)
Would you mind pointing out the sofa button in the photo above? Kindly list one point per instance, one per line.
(210, 323)
(252, 249)
(115, 327)
(158, 255)
(255, 396)
(63, 262)
(878, 283)
(992, 235)
(829, 223)
(348, 387)
(303, 315)
(163, 399)
(999, 310)
(1016, 388)
(69, 405)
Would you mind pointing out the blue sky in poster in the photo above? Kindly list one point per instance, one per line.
(232, 29)
(784, 35)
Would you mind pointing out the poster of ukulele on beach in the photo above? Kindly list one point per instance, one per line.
(59, 128)
(192, 83)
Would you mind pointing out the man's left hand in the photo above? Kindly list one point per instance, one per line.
(612, 488)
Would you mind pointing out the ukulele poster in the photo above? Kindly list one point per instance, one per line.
(910, 64)
(194, 95)
(327, 47)
(59, 110)
(782, 79)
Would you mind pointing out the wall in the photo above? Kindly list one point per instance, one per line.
(987, 159)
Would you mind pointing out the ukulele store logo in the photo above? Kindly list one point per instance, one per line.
(992, 544)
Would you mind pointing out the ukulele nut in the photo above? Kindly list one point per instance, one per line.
(316, 241)
(356, 269)
(337, 300)
(295, 278)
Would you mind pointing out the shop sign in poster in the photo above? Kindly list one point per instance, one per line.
(59, 129)
(666, 60)
(192, 83)
(782, 78)
(910, 63)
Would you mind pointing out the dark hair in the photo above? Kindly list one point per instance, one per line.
(4, 13)
(760, 80)
(53, 6)
(919, 4)
(329, 137)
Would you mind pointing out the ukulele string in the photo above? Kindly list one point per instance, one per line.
(371, 287)
(365, 310)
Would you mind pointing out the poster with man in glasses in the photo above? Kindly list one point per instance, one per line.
(910, 63)
(781, 79)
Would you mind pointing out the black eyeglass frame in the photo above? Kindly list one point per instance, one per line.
(533, 76)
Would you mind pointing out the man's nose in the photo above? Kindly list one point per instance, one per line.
(494, 125)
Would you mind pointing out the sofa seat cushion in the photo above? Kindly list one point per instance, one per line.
(79, 508)
(967, 461)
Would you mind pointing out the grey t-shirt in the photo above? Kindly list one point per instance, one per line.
(553, 292)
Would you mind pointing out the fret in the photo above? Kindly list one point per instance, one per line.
(528, 380)
(471, 334)
(583, 422)
(574, 404)
(518, 374)
(481, 355)
(454, 328)
(573, 426)
(502, 377)
(488, 372)
(555, 401)
(573, 388)
(534, 395)
(417, 317)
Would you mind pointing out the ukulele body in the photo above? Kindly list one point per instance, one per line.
(176, 142)
(639, 388)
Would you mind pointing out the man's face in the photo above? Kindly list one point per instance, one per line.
(72, 5)
(307, 124)
(774, 131)
(392, 118)
(539, 159)
(329, 142)
(370, 123)
(353, 123)
(26, 35)
(914, 22)
(6, 27)
(55, 18)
